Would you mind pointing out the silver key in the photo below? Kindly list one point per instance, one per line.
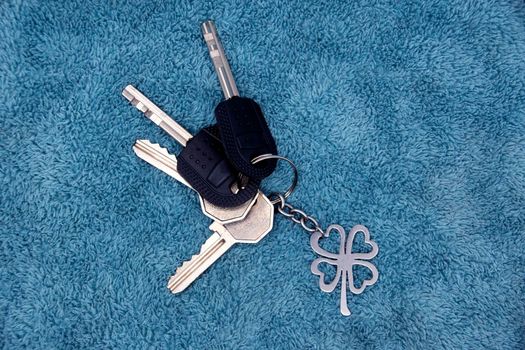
(223, 70)
(250, 230)
(218, 57)
(161, 159)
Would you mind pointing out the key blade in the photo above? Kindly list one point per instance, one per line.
(219, 60)
(156, 115)
(211, 251)
(159, 157)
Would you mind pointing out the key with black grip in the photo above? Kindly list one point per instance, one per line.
(202, 162)
(243, 129)
(204, 165)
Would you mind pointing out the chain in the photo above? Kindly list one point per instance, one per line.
(298, 216)
(308, 223)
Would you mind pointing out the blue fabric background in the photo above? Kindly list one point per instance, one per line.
(408, 117)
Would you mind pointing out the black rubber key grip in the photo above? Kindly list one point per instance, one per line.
(246, 135)
(204, 165)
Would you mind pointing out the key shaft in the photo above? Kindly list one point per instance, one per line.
(218, 57)
(156, 115)
(252, 229)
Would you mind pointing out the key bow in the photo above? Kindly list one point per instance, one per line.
(344, 260)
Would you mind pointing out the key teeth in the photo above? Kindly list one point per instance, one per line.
(159, 148)
(135, 102)
(187, 263)
(174, 283)
(130, 93)
(172, 286)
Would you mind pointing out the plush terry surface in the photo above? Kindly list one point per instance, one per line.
(406, 117)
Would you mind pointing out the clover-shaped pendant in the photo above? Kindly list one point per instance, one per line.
(344, 261)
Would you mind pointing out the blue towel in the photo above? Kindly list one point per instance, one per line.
(406, 117)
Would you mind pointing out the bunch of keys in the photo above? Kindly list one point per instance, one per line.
(225, 164)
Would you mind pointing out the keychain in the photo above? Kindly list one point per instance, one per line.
(344, 259)
(221, 164)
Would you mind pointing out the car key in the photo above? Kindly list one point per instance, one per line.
(243, 129)
(161, 159)
(202, 162)
(252, 229)
(180, 134)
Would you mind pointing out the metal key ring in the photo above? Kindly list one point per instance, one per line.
(280, 197)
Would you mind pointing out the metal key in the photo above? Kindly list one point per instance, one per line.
(250, 230)
(257, 224)
(243, 128)
(161, 159)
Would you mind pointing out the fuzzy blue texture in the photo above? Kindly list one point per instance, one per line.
(407, 117)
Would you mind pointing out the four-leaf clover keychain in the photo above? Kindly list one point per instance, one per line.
(344, 260)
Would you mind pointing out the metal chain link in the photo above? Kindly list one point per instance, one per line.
(308, 223)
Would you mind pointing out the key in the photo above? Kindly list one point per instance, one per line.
(243, 129)
(252, 229)
(161, 159)
(202, 162)
(216, 170)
